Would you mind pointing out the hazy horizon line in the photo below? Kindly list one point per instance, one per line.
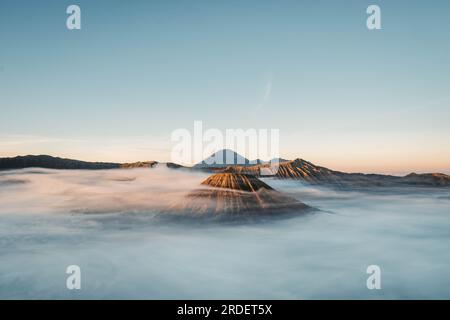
(387, 172)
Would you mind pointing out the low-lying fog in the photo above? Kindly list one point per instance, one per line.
(112, 224)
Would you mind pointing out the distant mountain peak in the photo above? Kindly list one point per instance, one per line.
(223, 158)
(227, 157)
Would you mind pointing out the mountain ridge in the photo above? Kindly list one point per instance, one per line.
(50, 162)
(297, 169)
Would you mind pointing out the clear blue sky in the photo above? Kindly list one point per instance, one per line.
(341, 95)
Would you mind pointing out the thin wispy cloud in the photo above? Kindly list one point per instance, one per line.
(266, 96)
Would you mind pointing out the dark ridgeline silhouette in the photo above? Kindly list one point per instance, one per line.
(49, 162)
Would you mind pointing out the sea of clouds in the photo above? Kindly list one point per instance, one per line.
(112, 224)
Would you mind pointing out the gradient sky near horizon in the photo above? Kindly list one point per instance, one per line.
(342, 96)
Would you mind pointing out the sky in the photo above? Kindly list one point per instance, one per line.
(341, 95)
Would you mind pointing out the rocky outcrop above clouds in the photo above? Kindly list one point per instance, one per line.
(237, 194)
